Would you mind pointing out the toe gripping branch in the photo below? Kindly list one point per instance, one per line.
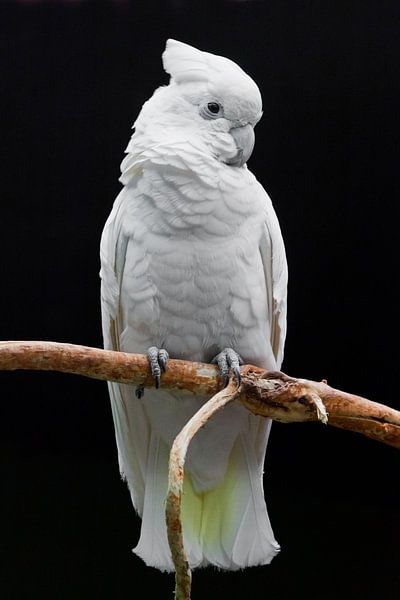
(228, 361)
(157, 359)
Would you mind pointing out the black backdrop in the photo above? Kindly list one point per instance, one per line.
(74, 76)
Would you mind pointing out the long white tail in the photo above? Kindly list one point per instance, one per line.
(228, 525)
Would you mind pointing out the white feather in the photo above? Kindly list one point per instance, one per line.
(187, 64)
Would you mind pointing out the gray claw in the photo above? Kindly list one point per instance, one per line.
(163, 357)
(139, 392)
(158, 359)
(228, 360)
(236, 372)
(223, 367)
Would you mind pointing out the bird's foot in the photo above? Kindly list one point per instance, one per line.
(158, 359)
(228, 361)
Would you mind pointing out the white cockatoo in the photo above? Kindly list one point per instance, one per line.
(193, 266)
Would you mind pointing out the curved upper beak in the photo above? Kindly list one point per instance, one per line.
(244, 140)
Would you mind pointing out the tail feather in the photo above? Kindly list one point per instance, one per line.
(227, 526)
(255, 543)
(132, 436)
(236, 531)
(153, 545)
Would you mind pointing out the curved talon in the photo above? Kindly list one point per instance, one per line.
(228, 360)
(139, 392)
(158, 359)
(236, 372)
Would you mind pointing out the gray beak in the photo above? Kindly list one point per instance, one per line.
(244, 140)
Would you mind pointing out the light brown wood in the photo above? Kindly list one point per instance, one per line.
(271, 394)
(108, 365)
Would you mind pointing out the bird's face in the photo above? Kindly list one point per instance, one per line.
(217, 109)
(229, 108)
(221, 118)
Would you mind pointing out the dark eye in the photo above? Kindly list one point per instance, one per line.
(211, 110)
(214, 107)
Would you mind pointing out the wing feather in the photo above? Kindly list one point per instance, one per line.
(273, 257)
(132, 429)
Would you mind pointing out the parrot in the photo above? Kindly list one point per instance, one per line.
(193, 267)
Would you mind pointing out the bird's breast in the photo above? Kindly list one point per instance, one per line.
(208, 298)
(195, 249)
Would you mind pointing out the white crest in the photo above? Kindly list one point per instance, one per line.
(187, 64)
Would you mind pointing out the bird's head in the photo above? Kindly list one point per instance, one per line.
(210, 101)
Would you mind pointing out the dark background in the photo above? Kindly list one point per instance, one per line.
(73, 77)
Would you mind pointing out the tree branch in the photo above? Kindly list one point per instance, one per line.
(267, 393)
(107, 365)
(282, 398)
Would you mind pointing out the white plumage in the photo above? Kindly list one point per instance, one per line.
(192, 260)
